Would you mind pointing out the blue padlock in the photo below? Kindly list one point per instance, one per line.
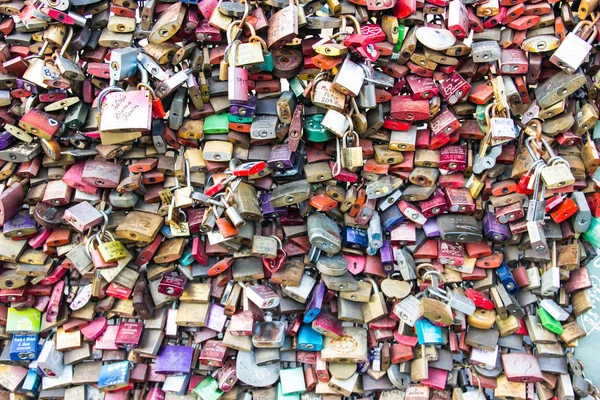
(391, 218)
(114, 376)
(507, 279)
(309, 339)
(355, 238)
(165, 230)
(32, 382)
(428, 333)
(24, 347)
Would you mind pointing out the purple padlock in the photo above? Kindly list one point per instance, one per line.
(268, 211)
(174, 360)
(431, 228)
(494, 230)
(6, 139)
(241, 108)
(20, 225)
(281, 157)
(313, 308)
(387, 257)
(27, 86)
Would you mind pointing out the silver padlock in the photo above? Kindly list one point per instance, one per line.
(575, 47)
(485, 51)
(350, 78)
(366, 97)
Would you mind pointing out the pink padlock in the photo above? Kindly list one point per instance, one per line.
(73, 178)
(94, 329)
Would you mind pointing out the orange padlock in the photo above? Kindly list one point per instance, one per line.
(564, 210)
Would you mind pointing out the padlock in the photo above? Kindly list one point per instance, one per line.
(575, 47)
(351, 157)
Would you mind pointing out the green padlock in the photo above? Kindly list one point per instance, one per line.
(298, 87)
(314, 131)
(479, 115)
(238, 119)
(77, 115)
(549, 322)
(208, 389)
(216, 123)
(592, 235)
(28, 320)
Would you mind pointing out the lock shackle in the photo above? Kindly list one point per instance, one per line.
(67, 41)
(352, 18)
(106, 91)
(368, 72)
(488, 113)
(227, 53)
(350, 123)
(558, 160)
(532, 152)
(105, 223)
(100, 237)
(233, 163)
(143, 72)
(40, 53)
(430, 290)
(582, 28)
(373, 283)
(538, 179)
(148, 88)
(263, 44)
(240, 22)
(246, 10)
(336, 35)
(337, 166)
(548, 148)
(430, 275)
(188, 178)
(355, 137)
(89, 241)
(534, 165)
(423, 267)
(279, 244)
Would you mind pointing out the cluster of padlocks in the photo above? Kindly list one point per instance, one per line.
(299, 200)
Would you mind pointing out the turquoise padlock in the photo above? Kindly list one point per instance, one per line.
(268, 64)
(428, 333)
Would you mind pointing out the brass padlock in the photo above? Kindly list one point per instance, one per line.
(376, 307)
(352, 157)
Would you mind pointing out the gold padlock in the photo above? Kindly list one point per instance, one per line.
(376, 307)
(112, 250)
(558, 174)
(352, 157)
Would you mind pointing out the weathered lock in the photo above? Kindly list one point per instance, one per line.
(326, 96)
(101, 173)
(537, 205)
(264, 127)
(575, 47)
(502, 130)
(351, 157)
(557, 174)
(367, 98)
(348, 79)
(376, 307)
